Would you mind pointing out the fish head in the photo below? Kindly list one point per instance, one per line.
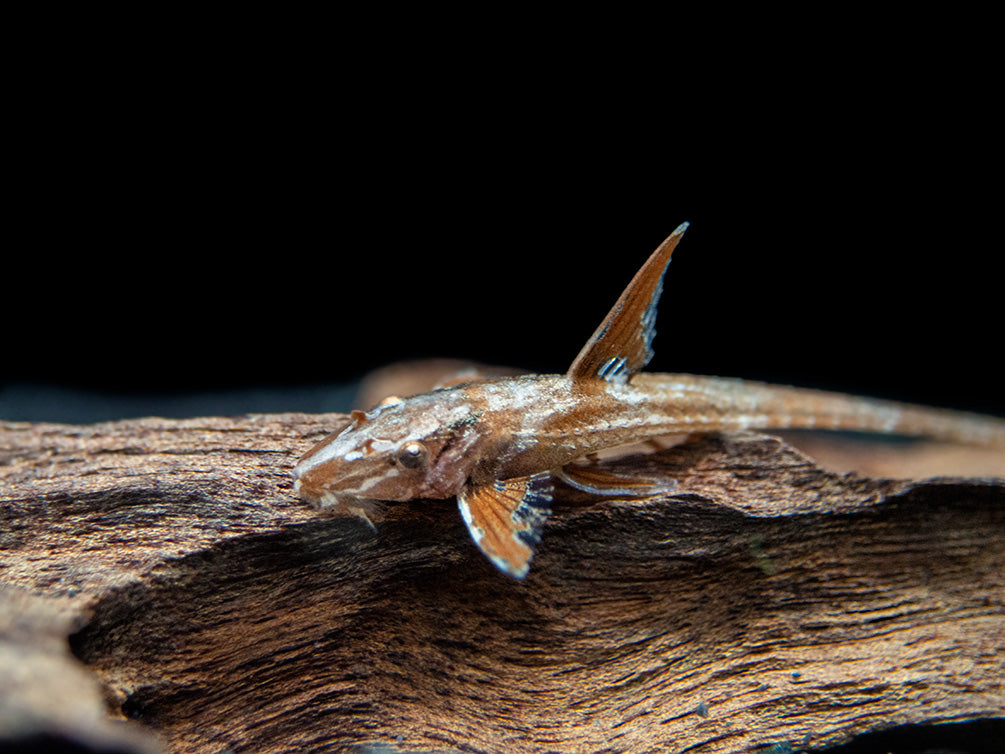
(418, 447)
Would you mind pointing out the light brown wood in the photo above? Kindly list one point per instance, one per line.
(765, 601)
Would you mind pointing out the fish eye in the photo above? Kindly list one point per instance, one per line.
(412, 454)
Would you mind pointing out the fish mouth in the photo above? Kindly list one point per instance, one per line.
(319, 497)
(341, 503)
(322, 498)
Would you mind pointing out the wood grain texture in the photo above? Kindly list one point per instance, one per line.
(765, 602)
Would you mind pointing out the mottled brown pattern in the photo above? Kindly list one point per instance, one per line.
(508, 429)
(764, 602)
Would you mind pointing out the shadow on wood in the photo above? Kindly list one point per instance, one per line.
(766, 602)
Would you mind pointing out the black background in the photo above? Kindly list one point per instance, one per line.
(232, 229)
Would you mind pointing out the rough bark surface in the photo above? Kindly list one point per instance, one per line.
(167, 567)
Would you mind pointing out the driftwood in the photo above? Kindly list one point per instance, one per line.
(163, 572)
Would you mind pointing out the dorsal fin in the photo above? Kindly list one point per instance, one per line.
(622, 345)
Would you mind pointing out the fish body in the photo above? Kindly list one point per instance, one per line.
(495, 444)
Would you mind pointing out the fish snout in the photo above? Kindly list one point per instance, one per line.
(311, 487)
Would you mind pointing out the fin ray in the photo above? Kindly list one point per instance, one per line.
(505, 518)
(622, 345)
(597, 481)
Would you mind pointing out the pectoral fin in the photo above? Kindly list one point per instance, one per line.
(622, 345)
(505, 518)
